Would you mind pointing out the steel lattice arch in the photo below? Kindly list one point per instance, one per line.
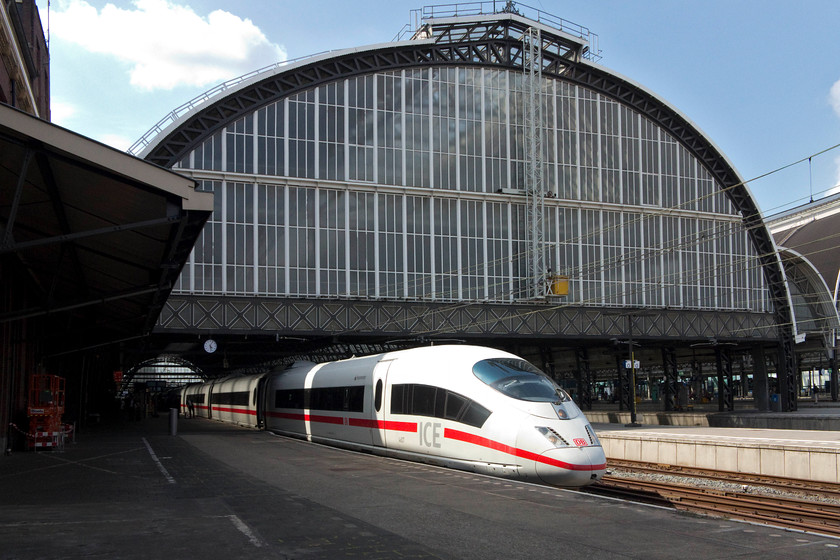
(378, 193)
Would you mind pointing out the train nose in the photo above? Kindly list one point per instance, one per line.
(572, 466)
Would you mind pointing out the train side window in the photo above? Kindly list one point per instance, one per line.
(289, 398)
(377, 396)
(354, 398)
(423, 401)
(454, 404)
(239, 398)
(440, 403)
(434, 402)
(397, 399)
(348, 399)
(475, 415)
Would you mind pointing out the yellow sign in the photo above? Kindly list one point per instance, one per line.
(558, 285)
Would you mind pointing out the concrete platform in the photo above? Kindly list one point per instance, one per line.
(132, 491)
(802, 444)
(809, 416)
(809, 455)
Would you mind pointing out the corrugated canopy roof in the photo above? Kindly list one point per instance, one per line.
(813, 230)
(98, 235)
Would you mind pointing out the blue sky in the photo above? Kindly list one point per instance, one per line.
(755, 75)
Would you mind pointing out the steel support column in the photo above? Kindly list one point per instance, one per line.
(745, 386)
(626, 381)
(787, 371)
(697, 384)
(622, 387)
(669, 367)
(761, 391)
(724, 377)
(583, 375)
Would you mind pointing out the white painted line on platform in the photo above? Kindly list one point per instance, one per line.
(166, 474)
(245, 530)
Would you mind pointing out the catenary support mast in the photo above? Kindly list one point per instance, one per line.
(534, 184)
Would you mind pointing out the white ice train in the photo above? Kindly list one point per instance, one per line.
(466, 407)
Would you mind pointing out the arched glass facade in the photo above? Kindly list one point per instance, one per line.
(409, 184)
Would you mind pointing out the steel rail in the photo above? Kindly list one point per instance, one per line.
(804, 515)
(787, 484)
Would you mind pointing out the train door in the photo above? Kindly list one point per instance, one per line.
(210, 399)
(380, 386)
(259, 400)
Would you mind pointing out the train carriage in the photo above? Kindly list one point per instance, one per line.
(428, 399)
(466, 407)
(331, 403)
(199, 395)
(235, 400)
(489, 411)
(286, 410)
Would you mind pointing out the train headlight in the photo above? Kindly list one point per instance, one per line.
(552, 436)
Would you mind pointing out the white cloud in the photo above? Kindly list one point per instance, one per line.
(165, 44)
(836, 188)
(834, 97)
(61, 112)
(116, 141)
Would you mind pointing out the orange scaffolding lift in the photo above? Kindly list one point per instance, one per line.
(46, 406)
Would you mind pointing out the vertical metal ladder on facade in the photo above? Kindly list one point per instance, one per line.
(532, 64)
(543, 282)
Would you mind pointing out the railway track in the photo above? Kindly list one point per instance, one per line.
(806, 488)
(786, 503)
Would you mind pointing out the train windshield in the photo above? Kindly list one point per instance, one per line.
(519, 379)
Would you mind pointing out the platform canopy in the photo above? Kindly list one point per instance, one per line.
(812, 230)
(92, 238)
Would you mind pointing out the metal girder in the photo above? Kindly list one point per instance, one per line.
(821, 315)
(330, 317)
(8, 227)
(33, 151)
(40, 311)
(84, 234)
(180, 243)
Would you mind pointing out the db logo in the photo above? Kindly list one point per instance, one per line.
(580, 442)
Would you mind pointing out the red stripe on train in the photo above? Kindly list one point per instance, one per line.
(447, 433)
(490, 444)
